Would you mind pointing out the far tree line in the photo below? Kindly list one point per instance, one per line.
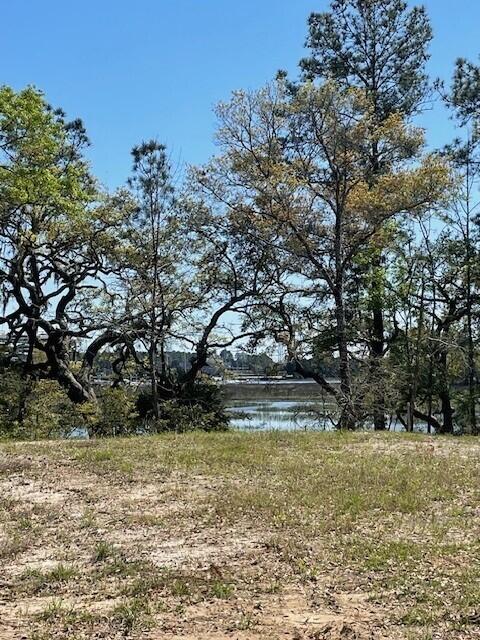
(323, 225)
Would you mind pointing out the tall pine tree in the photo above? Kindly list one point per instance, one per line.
(380, 46)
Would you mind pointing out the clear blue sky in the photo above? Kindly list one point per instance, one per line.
(154, 68)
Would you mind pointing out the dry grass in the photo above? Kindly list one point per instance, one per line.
(210, 536)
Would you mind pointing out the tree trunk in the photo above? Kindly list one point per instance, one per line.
(444, 393)
(377, 347)
(447, 411)
(347, 417)
(153, 380)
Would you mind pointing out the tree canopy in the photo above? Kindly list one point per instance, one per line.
(322, 225)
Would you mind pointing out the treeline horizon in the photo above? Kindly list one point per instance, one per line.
(322, 226)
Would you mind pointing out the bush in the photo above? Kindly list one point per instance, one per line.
(40, 409)
(463, 422)
(198, 407)
(35, 409)
(117, 415)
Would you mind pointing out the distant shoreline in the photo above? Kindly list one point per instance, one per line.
(272, 389)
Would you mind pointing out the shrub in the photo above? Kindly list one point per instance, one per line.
(198, 407)
(117, 415)
(35, 409)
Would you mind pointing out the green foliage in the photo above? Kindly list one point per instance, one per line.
(462, 402)
(58, 237)
(37, 581)
(466, 91)
(183, 415)
(196, 407)
(117, 414)
(381, 46)
(103, 550)
(38, 143)
(35, 410)
(47, 412)
(12, 388)
(133, 614)
(222, 590)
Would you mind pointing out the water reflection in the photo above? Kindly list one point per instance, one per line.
(284, 415)
(288, 415)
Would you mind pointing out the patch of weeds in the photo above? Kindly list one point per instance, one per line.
(13, 466)
(305, 570)
(180, 588)
(13, 545)
(24, 522)
(146, 519)
(469, 582)
(245, 622)
(103, 455)
(35, 581)
(381, 555)
(87, 521)
(133, 614)
(103, 550)
(121, 567)
(420, 615)
(97, 457)
(221, 590)
(145, 585)
(274, 587)
(58, 610)
(54, 610)
(61, 573)
(126, 468)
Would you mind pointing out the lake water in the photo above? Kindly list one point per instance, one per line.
(283, 415)
(286, 415)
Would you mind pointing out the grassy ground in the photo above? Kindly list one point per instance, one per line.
(210, 536)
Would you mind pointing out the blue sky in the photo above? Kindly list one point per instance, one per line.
(155, 68)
